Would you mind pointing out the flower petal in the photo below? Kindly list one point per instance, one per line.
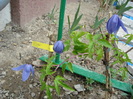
(115, 25)
(28, 67)
(112, 24)
(19, 67)
(122, 25)
(25, 75)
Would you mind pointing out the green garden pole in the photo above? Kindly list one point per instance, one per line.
(61, 21)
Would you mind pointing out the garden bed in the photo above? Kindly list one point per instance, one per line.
(16, 50)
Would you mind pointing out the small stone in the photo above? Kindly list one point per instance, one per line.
(38, 63)
(67, 77)
(30, 86)
(30, 41)
(33, 94)
(79, 87)
(17, 35)
(2, 81)
(11, 98)
(3, 96)
(25, 42)
(14, 44)
(37, 74)
(6, 94)
(75, 93)
(3, 73)
(45, 97)
(1, 69)
(12, 95)
(17, 72)
(67, 55)
(8, 27)
(35, 84)
(67, 91)
(29, 38)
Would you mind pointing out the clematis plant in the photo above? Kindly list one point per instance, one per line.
(58, 47)
(114, 23)
(97, 46)
(27, 69)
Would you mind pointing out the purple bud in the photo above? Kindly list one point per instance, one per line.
(58, 47)
(114, 23)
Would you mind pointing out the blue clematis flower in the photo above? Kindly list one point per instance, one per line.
(58, 47)
(27, 69)
(114, 23)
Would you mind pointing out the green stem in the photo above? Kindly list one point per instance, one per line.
(61, 21)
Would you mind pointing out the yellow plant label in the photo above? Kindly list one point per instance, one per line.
(42, 46)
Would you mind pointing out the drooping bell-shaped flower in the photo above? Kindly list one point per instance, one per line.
(27, 69)
(114, 23)
(58, 47)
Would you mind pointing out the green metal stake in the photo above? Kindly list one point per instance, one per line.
(60, 29)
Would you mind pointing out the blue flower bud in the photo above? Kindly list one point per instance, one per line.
(114, 23)
(58, 47)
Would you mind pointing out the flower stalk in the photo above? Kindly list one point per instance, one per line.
(106, 63)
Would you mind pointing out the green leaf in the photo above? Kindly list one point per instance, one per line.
(123, 10)
(57, 87)
(99, 54)
(43, 85)
(48, 92)
(81, 48)
(129, 39)
(77, 27)
(42, 77)
(52, 87)
(67, 45)
(76, 22)
(91, 49)
(66, 86)
(49, 66)
(63, 67)
(97, 23)
(69, 24)
(115, 62)
(51, 59)
(89, 37)
(105, 43)
(100, 22)
(123, 72)
(96, 37)
(58, 77)
(56, 83)
(80, 34)
(48, 70)
(77, 12)
(70, 67)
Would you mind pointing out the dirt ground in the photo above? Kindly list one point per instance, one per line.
(16, 49)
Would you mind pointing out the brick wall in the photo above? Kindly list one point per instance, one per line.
(23, 11)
